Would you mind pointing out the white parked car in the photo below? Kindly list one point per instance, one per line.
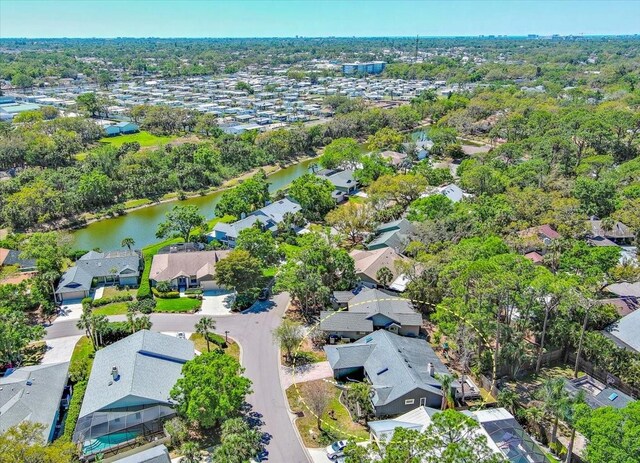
(335, 450)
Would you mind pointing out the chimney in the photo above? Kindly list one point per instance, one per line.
(114, 373)
(430, 369)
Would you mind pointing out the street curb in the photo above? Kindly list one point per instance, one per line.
(292, 416)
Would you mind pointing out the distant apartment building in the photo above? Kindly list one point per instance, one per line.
(371, 67)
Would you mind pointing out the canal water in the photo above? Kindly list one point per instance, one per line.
(141, 224)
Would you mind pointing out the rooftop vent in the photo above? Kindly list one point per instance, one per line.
(383, 370)
(114, 373)
(368, 339)
(430, 369)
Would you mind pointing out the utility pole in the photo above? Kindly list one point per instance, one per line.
(416, 56)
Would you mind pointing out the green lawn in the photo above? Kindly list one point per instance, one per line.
(233, 349)
(152, 249)
(136, 203)
(117, 308)
(82, 352)
(290, 250)
(144, 138)
(269, 272)
(182, 304)
(111, 291)
(337, 423)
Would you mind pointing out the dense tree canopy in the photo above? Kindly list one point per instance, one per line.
(211, 389)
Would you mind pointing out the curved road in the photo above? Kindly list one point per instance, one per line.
(259, 357)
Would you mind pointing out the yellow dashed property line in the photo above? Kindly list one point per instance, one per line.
(388, 299)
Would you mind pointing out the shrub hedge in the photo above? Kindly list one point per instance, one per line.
(193, 291)
(74, 410)
(167, 295)
(217, 340)
(110, 300)
(144, 290)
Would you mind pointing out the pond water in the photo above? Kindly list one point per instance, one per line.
(141, 224)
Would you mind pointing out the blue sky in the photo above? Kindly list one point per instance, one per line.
(265, 18)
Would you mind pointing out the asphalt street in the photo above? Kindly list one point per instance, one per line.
(259, 358)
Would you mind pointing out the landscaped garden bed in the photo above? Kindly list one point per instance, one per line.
(336, 420)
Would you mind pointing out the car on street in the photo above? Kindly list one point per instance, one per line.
(335, 450)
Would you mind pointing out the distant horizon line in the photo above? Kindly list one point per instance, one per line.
(529, 35)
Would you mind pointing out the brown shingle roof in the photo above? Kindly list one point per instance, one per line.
(172, 265)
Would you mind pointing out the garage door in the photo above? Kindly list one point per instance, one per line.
(209, 285)
(73, 295)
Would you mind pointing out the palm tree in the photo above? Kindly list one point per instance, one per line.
(86, 323)
(384, 276)
(113, 271)
(448, 399)
(534, 416)
(570, 412)
(553, 394)
(204, 326)
(50, 277)
(587, 304)
(508, 399)
(190, 452)
(100, 323)
(128, 242)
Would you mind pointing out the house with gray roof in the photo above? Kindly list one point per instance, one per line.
(343, 181)
(370, 310)
(37, 394)
(402, 371)
(453, 192)
(121, 267)
(157, 454)
(393, 235)
(268, 217)
(128, 392)
(626, 331)
(597, 394)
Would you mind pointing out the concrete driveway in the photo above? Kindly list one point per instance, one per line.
(217, 303)
(318, 455)
(69, 310)
(304, 373)
(60, 349)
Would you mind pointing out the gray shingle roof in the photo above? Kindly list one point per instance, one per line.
(74, 279)
(395, 365)
(363, 306)
(395, 239)
(344, 321)
(372, 301)
(98, 264)
(340, 179)
(158, 454)
(148, 363)
(272, 213)
(626, 331)
(32, 393)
